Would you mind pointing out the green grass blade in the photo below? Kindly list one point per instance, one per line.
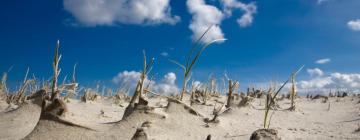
(199, 53)
(177, 63)
(196, 44)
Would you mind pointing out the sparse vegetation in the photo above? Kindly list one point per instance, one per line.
(230, 98)
(208, 103)
(270, 100)
(191, 59)
(56, 72)
(137, 97)
(293, 88)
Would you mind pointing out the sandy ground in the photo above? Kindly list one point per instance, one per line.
(312, 119)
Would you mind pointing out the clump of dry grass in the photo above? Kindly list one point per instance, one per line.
(232, 86)
(3, 87)
(217, 112)
(199, 94)
(71, 88)
(293, 88)
(137, 98)
(56, 73)
(245, 101)
(53, 104)
(120, 97)
(20, 96)
(90, 95)
(270, 100)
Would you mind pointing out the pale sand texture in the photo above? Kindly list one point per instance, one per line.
(311, 120)
(18, 123)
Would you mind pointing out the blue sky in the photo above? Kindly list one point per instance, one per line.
(282, 36)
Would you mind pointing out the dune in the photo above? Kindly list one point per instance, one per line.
(18, 123)
(176, 121)
(168, 118)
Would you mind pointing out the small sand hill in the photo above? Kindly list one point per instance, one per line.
(18, 123)
(123, 129)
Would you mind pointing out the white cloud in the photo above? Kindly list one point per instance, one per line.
(165, 54)
(205, 15)
(315, 72)
(323, 61)
(167, 85)
(249, 10)
(341, 81)
(354, 25)
(110, 12)
(130, 79)
(169, 78)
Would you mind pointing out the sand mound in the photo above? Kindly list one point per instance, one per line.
(124, 129)
(18, 123)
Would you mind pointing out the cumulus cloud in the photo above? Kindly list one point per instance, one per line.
(167, 85)
(323, 61)
(315, 72)
(354, 25)
(130, 78)
(110, 12)
(340, 81)
(205, 15)
(249, 10)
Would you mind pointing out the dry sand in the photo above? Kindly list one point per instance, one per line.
(172, 121)
(20, 122)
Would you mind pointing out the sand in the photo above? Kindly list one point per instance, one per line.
(165, 120)
(20, 122)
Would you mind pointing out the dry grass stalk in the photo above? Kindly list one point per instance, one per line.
(71, 88)
(3, 87)
(192, 92)
(20, 96)
(216, 112)
(3, 92)
(139, 87)
(293, 88)
(53, 105)
(57, 57)
(232, 86)
(213, 88)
